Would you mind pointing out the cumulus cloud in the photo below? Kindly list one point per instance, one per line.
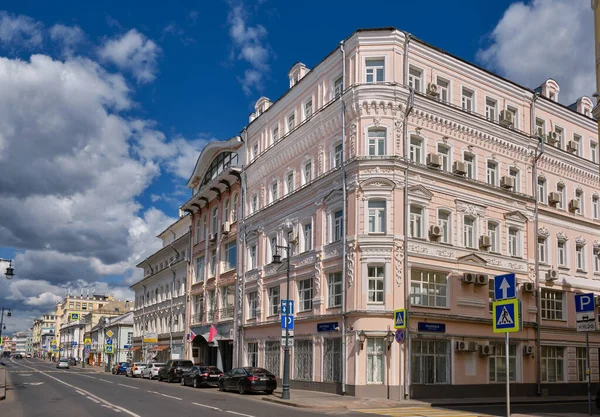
(545, 39)
(249, 43)
(133, 52)
(68, 36)
(20, 31)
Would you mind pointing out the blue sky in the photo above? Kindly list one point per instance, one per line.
(105, 107)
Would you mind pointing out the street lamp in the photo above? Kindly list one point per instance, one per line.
(362, 337)
(10, 271)
(390, 339)
(285, 393)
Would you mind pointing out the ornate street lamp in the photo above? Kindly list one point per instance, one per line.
(362, 337)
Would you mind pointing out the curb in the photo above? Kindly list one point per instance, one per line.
(308, 406)
(512, 402)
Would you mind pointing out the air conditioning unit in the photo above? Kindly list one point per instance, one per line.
(507, 182)
(552, 138)
(554, 198)
(572, 146)
(506, 118)
(485, 242)
(486, 350)
(528, 349)
(468, 278)
(225, 228)
(462, 346)
(435, 231)
(528, 287)
(459, 168)
(482, 279)
(574, 205)
(432, 89)
(552, 275)
(434, 160)
(212, 236)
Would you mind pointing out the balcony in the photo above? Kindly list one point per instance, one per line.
(226, 313)
(197, 318)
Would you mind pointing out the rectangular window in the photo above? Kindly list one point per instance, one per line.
(579, 142)
(375, 360)
(376, 142)
(469, 232)
(579, 197)
(275, 134)
(334, 290)
(338, 87)
(307, 172)
(213, 262)
(308, 109)
(375, 70)
(416, 150)
(445, 224)
(273, 357)
(303, 360)
(580, 258)
(253, 354)
(491, 294)
(516, 176)
(491, 109)
(552, 304)
(561, 253)
(540, 127)
(230, 255)
(542, 250)
(428, 289)
(596, 208)
(376, 216)
(197, 232)
(430, 362)
(274, 192)
(414, 79)
(443, 87)
(514, 246)
(416, 222)
(307, 236)
(467, 99)
(254, 204)
(560, 136)
(338, 225)
(494, 238)
(594, 152)
(444, 152)
(596, 260)
(553, 358)
(200, 269)
(291, 122)
(492, 173)
(211, 304)
(514, 112)
(337, 156)
(253, 263)
(469, 161)
(581, 358)
(290, 183)
(252, 304)
(255, 151)
(376, 277)
(541, 184)
(274, 301)
(497, 363)
(305, 294)
(332, 360)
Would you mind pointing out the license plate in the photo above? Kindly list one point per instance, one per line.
(264, 379)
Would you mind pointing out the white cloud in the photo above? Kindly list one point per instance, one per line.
(68, 36)
(20, 31)
(250, 45)
(133, 52)
(545, 39)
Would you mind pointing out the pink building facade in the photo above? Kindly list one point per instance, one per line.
(388, 202)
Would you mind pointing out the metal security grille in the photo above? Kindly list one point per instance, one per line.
(332, 360)
(430, 362)
(303, 359)
(273, 357)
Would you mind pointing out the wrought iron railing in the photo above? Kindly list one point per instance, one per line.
(226, 312)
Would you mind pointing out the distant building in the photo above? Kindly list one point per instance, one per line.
(43, 334)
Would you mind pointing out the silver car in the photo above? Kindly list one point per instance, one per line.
(151, 370)
(62, 364)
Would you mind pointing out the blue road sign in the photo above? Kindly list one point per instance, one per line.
(327, 327)
(507, 316)
(431, 327)
(74, 343)
(400, 319)
(109, 341)
(399, 336)
(505, 287)
(284, 306)
(62, 350)
(126, 346)
(584, 303)
(290, 323)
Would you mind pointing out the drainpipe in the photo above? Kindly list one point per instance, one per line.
(539, 151)
(242, 235)
(188, 290)
(345, 229)
(407, 37)
(172, 294)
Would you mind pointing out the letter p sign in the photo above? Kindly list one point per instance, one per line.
(584, 303)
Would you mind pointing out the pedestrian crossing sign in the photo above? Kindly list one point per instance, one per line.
(507, 316)
(108, 349)
(400, 319)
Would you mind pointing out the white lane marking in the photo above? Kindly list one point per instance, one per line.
(128, 386)
(170, 396)
(239, 414)
(79, 392)
(93, 399)
(87, 376)
(33, 383)
(25, 374)
(208, 406)
(106, 380)
(105, 403)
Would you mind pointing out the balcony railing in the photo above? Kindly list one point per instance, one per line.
(197, 318)
(226, 313)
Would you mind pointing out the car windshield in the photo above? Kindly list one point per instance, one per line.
(210, 369)
(257, 371)
(63, 360)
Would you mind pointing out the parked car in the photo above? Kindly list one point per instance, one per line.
(248, 379)
(151, 370)
(62, 363)
(121, 368)
(173, 370)
(135, 369)
(201, 375)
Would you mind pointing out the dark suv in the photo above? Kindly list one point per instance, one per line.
(173, 370)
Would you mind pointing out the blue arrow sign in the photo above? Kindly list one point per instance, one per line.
(290, 323)
(284, 306)
(109, 341)
(505, 287)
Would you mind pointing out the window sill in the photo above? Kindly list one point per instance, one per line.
(376, 233)
(434, 307)
(556, 320)
(334, 307)
(564, 267)
(580, 271)
(516, 256)
(272, 316)
(251, 319)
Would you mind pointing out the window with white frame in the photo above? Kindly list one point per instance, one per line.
(376, 216)
(305, 294)
(214, 227)
(542, 248)
(337, 226)
(430, 361)
(469, 232)
(428, 288)
(542, 190)
(581, 359)
(594, 151)
(596, 260)
(254, 204)
(213, 262)
(515, 174)
(234, 208)
(467, 99)
(376, 277)
(308, 109)
(494, 234)
(445, 223)
(596, 207)
(514, 242)
(580, 257)
(491, 295)
(334, 290)
(497, 362)
(375, 70)
(560, 136)
(289, 182)
(579, 197)
(416, 221)
(252, 304)
(443, 89)
(491, 109)
(200, 269)
(274, 300)
(561, 253)
(560, 189)
(579, 142)
(252, 358)
(252, 255)
(291, 122)
(274, 191)
(415, 76)
(469, 160)
(376, 141)
(338, 87)
(492, 172)
(230, 255)
(338, 155)
(197, 232)
(303, 359)
(307, 237)
(332, 359)
(514, 112)
(553, 363)
(444, 153)
(552, 304)
(226, 210)
(275, 134)
(540, 127)
(255, 151)
(375, 360)
(416, 149)
(307, 170)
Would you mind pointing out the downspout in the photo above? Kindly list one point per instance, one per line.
(345, 228)
(188, 290)
(407, 111)
(538, 153)
(242, 235)
(172, 294)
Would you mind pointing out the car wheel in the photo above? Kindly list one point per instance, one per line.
(241, 389)
(269, 392)
(221, 386)
(182, 382)
(195, 382)
(158, 378)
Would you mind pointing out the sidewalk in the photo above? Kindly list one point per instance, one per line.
(444, 402)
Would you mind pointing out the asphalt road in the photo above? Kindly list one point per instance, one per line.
(41, 390)
(531, 409)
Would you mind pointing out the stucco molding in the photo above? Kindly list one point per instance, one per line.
(350, 253)
(318, 257)
(596, 244)
(352, 139)
(562, 236)
(332, 250)
(580, 241)
(543, 232)
(398, 259)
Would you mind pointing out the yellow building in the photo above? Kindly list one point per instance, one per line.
(43, 333)
(72, 308)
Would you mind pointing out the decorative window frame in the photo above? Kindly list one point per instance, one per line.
(423, 77)
(379, 189)
(451, 232)
(470, 152)
(424, 146)
(499, 233)
(373, 58)
(474, 100)
(562, 237)
(518, 178)
(301, 240)
(290, 170)
(514, 107)
(450, 85)
(387, 139)
(445, 143)
(494, 160)
(332, 153)
(274, 181)
(307, 159)
(497, 107)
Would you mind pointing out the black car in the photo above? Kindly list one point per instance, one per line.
(248, 379)
(173, 370)
(201, 375)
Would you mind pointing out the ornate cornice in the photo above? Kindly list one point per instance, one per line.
(543, 232)
(580, 241)
(562, 236)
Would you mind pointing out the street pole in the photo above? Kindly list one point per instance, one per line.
(507, 378)
(588, 371)
(285, 393)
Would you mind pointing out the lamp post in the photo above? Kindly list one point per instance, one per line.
(2, 327)
(10, 271)
(285, 393)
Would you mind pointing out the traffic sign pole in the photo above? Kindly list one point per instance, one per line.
(588, 370)
(507, 376)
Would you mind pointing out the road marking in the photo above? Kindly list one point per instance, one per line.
(128, 386)
(106, 380)
(25, 374)
(239, 414)
(208, 406)
(93, 399)
(170, 396)
(79, 392)
(87, 376)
